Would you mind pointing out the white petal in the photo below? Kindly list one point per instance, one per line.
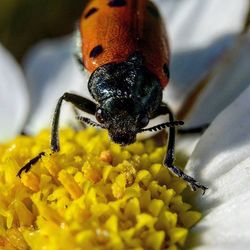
(221, 160)
(195, 23)
(230, 79)
(51, 70)
(13, 96)
(185, 144)
(199, 33)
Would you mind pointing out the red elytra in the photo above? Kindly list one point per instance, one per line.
(113, 30)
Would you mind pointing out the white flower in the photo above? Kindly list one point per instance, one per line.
(14, 99)
(222, 160)
(204, 37)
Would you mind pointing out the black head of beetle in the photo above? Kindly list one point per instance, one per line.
(123, 117)
(127, 95)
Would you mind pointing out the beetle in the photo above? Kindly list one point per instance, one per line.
(123, 45)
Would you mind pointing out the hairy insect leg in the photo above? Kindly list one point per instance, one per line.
(80, 103)
(169, 158)
(80, 125)
(26, 168)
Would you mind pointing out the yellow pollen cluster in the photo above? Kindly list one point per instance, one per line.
(94, 194)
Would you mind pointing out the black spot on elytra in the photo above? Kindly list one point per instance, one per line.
(96, 51)
(153, 10)
(117, 3)
(91, 12)
(166, 70)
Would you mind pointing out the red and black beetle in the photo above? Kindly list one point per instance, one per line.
(124, 46)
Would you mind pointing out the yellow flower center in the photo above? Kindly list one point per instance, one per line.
(94, 194)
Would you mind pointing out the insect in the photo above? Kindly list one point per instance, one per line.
(124, 46)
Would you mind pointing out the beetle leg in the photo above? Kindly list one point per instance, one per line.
(80, 103)
(26, 168)
(80, 125)
(169, 157)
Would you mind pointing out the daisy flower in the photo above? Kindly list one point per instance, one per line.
(95, 194)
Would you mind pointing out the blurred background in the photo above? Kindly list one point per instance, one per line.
(24, 22)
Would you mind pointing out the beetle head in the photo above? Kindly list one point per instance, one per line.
(123, 117)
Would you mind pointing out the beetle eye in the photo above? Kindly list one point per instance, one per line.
(144, 121)
(99, 116)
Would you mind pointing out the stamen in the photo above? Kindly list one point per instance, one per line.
(86, 184)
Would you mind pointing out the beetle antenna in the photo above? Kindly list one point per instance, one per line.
(89, 121)
(162, 126)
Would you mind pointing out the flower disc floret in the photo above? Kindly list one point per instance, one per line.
(93, 194)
